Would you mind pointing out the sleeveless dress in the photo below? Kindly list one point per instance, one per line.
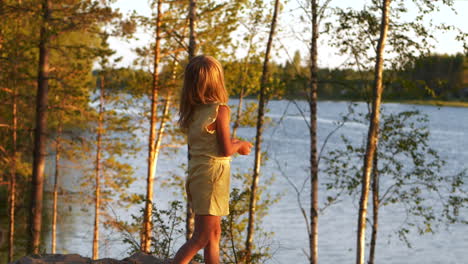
(208, 180)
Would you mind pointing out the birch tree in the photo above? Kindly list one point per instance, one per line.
(58, 151)
(146, 237)
(258, 138)
(372, 134)
(313, 236)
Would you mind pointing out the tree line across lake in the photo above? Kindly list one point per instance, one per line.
(61, 86)
(432, 77)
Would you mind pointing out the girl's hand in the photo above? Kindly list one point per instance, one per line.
(245, 148)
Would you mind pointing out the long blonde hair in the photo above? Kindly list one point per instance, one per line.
(203, 83)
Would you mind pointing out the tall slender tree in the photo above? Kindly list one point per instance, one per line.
(146, 238)
(14, 151)
(58, 141)
(375, 206)
(258, 137)
(313, 235)
(192, 48)
(372, 136)
(40, 138)
(98, 169)
(12, 185)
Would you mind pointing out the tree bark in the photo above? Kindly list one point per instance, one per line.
(12, 189)
(55, 192)
(97, 201)
(39, 153)
(190, 219)
(162, 127)
(258, 139)
(313, 236)
(375, 207)
(146, 238)
(238, 112)
(372, 137)
(192, 49)
(1, 32)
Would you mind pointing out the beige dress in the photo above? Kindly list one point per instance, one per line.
(208, 180)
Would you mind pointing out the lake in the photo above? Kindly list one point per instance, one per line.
(286, 141)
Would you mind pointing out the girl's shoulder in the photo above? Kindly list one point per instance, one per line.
(206, 114)
(213, 106)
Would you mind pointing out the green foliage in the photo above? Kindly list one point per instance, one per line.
(408, 65)
(168, 226)
(442, 75)
(411, 174)
(234, 225)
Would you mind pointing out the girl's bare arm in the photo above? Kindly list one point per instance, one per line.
(229, 146)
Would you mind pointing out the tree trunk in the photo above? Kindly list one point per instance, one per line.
(162, 127)
(1, 33)
(55, 192)
(39, 155)
(238, 113)
(146, 238)
(190, 219)
(192, 49)
(12, 189)
(375, 207)
(98, 170)
(258, 139)
(242, 92)
(372, 137)
(313, 236)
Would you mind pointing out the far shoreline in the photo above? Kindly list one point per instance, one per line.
(438, 103)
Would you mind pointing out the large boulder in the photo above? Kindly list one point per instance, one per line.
(137, 258)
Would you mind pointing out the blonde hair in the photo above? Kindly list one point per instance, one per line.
(203, 83)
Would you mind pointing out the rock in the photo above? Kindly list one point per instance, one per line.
(137, 258)
(143, 258)
(53, 258)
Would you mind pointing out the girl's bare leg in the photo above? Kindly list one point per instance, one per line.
(211, 252)
(206, 234)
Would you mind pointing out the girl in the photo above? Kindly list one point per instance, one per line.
(204, 115)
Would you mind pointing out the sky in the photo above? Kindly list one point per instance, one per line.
(289, 22)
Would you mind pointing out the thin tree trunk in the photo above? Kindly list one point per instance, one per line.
(14, 135)
(242, 92)
(375, 207)
(162, 127)
(1, 32)
(39, 155)
(192, 49)
(97, 201)
(190, 218)
(12, 189)
(238, 113)
(55, 192)
(313, 236)
(258, 139)
(146, 238)
(372, 137)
